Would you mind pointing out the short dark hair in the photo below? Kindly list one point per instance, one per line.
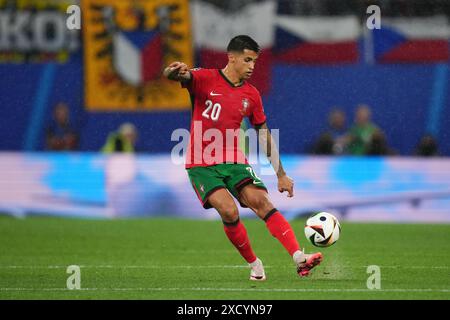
(242, 42)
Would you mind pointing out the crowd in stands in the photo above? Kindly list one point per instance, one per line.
(363, 137)
(61, 134)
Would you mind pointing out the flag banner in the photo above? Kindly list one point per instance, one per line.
(412, 40)
(127, 45)
(214, 28)
(316, 40)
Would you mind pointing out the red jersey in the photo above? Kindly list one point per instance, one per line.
(218, 110)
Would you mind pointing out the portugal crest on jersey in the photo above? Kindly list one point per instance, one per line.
(245, 105)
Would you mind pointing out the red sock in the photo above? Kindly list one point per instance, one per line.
(281, 229)
(237, 234)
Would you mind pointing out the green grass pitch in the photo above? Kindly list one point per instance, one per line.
(189, 259)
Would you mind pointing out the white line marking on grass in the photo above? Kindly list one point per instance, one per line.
(129, 267)
(226, 289)
(208, 266)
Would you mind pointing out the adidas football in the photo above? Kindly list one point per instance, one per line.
(322, 229)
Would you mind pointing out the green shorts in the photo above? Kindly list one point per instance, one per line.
(231, 176)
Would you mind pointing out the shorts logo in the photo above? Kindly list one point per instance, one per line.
(202, 188)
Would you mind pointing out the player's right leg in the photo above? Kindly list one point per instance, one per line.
(235, 230)
(259, 201)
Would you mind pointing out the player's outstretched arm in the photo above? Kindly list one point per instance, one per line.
(177, 71)
(285, 183)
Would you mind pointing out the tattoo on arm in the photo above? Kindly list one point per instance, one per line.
(270, 149)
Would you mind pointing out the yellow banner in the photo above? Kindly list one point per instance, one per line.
(126, 46)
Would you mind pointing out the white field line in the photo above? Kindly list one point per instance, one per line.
(227, 290)
(201, 267)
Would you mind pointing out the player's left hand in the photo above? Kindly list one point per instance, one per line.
(285, 183)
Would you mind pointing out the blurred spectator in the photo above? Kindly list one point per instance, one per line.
(323, 145)
(122, 140)
(60, 135)
(427, 146)
(332, 141)
(378, 145)
(361, 133)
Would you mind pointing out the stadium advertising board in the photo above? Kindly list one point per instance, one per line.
(93, 185)
(34, 31)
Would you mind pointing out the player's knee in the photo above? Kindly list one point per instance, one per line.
(229, 212)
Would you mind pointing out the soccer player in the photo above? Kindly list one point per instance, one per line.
(221, 99)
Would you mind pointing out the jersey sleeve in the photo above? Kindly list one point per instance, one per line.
(257, 117)
(198, 76)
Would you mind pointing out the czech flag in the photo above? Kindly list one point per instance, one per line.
(138, 56)
(412, 40)
(316, 40)
(214, 28)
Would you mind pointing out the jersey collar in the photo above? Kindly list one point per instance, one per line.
(228, 81)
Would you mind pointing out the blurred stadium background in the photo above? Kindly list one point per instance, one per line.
(318, 56)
